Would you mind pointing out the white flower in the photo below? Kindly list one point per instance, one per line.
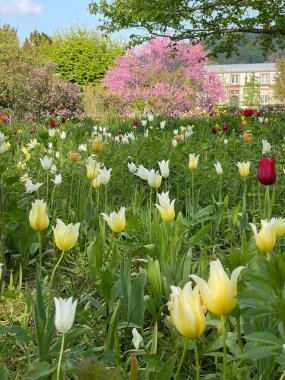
(57, 154)
(262, 120)
(30, 187)
(50, 145)
(64, 314)
(131, 136)
(150, 117)
(174, 143)
(137, 339)
(2, 148)
(146, 133)
(154, 179)
(125, 140)
(63, 135)
(82, 147)
(104, 176)
(162, 124)
(132, 167)
(33, 143)
(218, 168)
(53, 169)
(117, 138)
(57, 179)
(51, 132)
(144, 123)
(1, 265)
(2, 138)
(175, 132)
(164, 168)
(46, 162)
(266, 147)
(226, 141)
(142, 172)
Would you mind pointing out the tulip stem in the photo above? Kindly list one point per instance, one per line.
(182, 359)
(193, 196)
(224, 337)
(60, 357)
(52, 276)
(197, 360)
(40, 252)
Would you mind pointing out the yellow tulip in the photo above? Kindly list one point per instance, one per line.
(165, 207)
(220, 291)
(38, 217)
(97, 145)
(74, 157)
(243, 168)
(186, 311)
(65, 236)
(92, 169)
(279, 226)
(265, 239)
(247, 137)
(116, 221)
(193, 161)
(96, 183)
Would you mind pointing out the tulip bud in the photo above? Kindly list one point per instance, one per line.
(97, 145)
(219, 294)
(64, 314)
(38, 217)
(266, 171)
(65, 236)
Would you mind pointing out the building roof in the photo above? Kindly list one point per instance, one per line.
(245, 68)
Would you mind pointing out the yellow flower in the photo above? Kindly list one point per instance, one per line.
(74, 156)
(21, 165)
(193, 161)
(279, 226)
(247, 137)
(65, 236)
(243, 168)
(166, 208)
(38, 217)
(97, 145)
(96, 183)
(92, 168)
(26, 153)
(116, 221)
(186, 311)
(220, 291)
(266, 238)
(24, 178)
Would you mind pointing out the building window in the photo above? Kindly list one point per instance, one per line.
(264, 78)
(234, 98)
(234, 79)
(264, 96)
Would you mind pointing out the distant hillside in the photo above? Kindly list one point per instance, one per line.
(249, 54)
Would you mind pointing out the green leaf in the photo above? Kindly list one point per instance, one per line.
(264, 337)
(165, 371)
(201, 233)
(40, 371)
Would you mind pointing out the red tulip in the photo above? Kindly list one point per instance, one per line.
(248, 112)
(63, 120)
(135, 124)
(52, 123)
(266, 171)
(225, 126)
(15, 131)
(214, 130)
(120, 132)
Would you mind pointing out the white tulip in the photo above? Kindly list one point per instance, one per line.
(2, 137)
(63, 135)
(30, 187)
(51, 132)
(144, 123)
(266, 147)
(57, 179)
(150, 117)
(164, 168)
(132, 167)
(162, 124)
(82, 147)
(104, 176)
(64, 314)
(218, 168)
(137, 339)
(46, 162)
(142, 172)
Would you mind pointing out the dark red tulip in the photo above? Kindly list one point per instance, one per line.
(63, 120)
(248, 112)
(120, 132)
(257, 114)
(15, 131)
(32, 130)
(225, 126)
(214, 130)
(266, 171)
(135, 124)
(52, 123)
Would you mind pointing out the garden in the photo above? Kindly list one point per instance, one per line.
(142, 226)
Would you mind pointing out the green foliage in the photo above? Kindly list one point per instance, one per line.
(219, 23)
(279, 86)
(251, 91)
(91, 369)
(82, 55)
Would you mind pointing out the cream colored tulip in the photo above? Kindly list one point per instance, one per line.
(165, 207)
(92, 168)
(279, 226)
(193, 161)
(243, 168)
(116, 221)
(186, 311)
(219, 294)
(265, 239)
(96, 183)
(38, 217)
(97, 145)
(65, 236)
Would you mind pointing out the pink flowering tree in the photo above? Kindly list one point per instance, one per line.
(166, 79)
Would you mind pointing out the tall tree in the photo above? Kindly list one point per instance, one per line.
(279, 87)
(218, 23)
(251, 91)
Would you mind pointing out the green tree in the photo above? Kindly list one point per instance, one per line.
(279, 87)
(218, 23)
(82, 56)
(251, 91)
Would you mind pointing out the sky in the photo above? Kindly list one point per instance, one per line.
(47, 16)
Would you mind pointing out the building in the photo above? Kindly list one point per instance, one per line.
(248, 83)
